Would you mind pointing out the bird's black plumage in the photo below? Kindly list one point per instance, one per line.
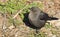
(36, 18)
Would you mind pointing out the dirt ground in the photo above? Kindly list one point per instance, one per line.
(52, 7)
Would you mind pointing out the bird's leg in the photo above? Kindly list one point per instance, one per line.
(37, 31)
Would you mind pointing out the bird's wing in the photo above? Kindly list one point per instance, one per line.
(43, 16)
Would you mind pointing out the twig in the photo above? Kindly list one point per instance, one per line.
(19, 12)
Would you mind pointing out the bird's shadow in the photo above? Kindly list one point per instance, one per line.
(27, 23)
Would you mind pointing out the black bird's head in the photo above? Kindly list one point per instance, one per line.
(35, 9)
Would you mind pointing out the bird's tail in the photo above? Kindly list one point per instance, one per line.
(52, 18)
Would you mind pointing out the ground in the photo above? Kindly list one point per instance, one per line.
(51, 7)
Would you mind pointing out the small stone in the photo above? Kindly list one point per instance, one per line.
(54, 36)
(11, 27)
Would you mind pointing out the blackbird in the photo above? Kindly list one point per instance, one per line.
(38, 18)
